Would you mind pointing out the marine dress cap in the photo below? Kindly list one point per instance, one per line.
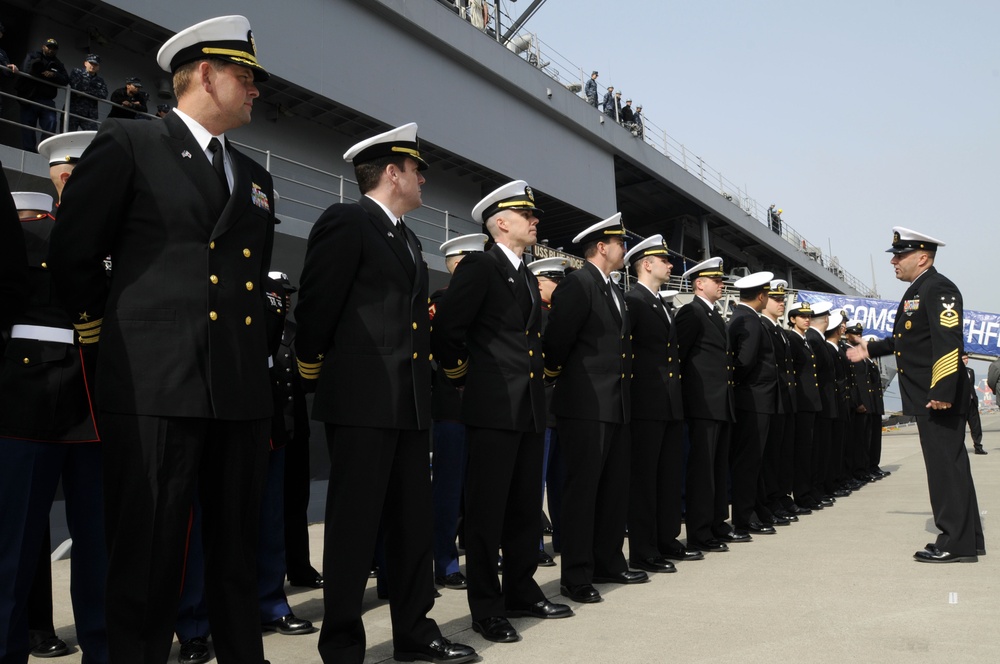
(821, 309)
(778, 287)
(905, 240)
(227, 38)
(464, 244)
(32, 200)
(800, 309)
(754, 282)
(401, 141)
(854, 327)
(708, 268)
(602, 230)
(516, 195)
(65, 148)
(835, 320)
(553, 268)
(654, 245)
(282, 279)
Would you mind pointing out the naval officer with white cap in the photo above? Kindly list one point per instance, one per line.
(707, 388)
(588, 351)
(927, 342)
(364, 346)
(182, 376)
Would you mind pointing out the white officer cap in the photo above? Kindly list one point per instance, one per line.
(516, 195)
(854, 326)
(707, 268)
(227, 38)
(602, 230)
(905, 240)
(778, 287)
(668, 295)
(654, 245)
(464, 244)
(553, 268)
(616, 276)
(821, 309)
(32, 200)
(835, 320)
(800, 309)
(392, 143)
(65, 148)
(758, 281)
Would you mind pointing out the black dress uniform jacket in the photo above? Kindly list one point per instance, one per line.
(367, 346)
(446, 398)
(755, 371)
(785, 365)
(656, 378)
(927, 342)
(483, 338)
(826, 375)
(183, 314)
(705, 365)
(583, 327)
(807, 397)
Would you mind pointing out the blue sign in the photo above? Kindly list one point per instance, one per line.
(981, 329)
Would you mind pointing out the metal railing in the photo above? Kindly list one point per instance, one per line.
(527, 46)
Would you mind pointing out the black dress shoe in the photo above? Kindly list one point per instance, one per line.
(455, 581)
(438, 650)
(659, 564)
(885, 473)
(289, 625)
(841, 493)
(776, 520)
(585, 594)
(827, 502)
(543, 609)
(932, 554)
(799, 510)
(808, 506)
(711, 546)
(496, 629)
(980, 450)
(545, 560)
(786, 515)
(736, 536)
(628, 577)
(306, 581)
(681, 555)
(50, 647)
(760, 528)
(194, 651)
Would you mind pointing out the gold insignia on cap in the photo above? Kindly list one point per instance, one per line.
(529, 194)
(949, 317)
(253, 44)
(895, 237)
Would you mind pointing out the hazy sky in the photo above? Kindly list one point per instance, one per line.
(852, 116)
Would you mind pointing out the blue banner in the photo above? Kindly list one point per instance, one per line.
(981, 329)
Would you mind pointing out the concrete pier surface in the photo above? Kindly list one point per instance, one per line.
(841, 585)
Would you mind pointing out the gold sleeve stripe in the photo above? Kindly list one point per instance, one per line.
(309, 371)
(458, 372)
(309, 365)
(90, 339)
(552, 374)
(80, 327)
(945, 366)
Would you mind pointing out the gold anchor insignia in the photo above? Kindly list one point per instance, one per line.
(949, 317)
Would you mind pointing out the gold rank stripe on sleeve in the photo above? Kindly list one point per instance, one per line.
(457, 372)
(549, 373)
(309, 370)
(944, 367)
(90, 332)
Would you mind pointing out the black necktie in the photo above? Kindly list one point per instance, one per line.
(219, 161)
(521, 292)
(615, 310)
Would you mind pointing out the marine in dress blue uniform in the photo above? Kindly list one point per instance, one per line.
(49, 433)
